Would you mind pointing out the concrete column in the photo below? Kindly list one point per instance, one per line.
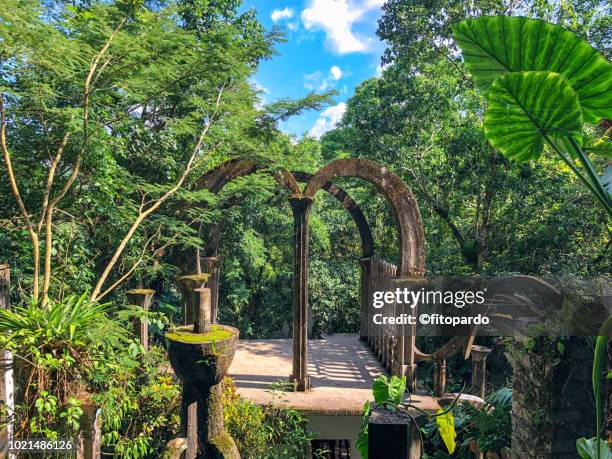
(300, 207)
(141, 297)
(211, 267)
(439, 368)
(89, 444)
(393, 435)
(191, 298)
(479, 370)
(365, 331)
(202, 318)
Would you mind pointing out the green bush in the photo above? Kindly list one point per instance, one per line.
(487, 427)
(264, 432)
(140, 403)
(70, 353)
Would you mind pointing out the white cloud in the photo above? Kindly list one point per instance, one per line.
(293, 26)
(285, 13)
(328, 120)
(336, 18)
(316, 81)
(335, 72)
(262, 93)
(380, 69)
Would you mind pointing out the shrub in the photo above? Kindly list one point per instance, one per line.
(264, 432)
(54, 346)
(71, 352)
(140, 404)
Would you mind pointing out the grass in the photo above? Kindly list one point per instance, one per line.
(185, 335)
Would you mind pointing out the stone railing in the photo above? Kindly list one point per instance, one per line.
(396, 352)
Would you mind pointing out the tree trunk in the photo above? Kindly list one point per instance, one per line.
(532, 397)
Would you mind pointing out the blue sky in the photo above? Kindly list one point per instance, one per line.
(331, 44)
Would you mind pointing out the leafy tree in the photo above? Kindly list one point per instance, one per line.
(110, 112)
(423, 117)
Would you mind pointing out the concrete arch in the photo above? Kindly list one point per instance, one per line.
(404, 205)
(215, 179)
(232, 169)
(210, 253)
(367, 241)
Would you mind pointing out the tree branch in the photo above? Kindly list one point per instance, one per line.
(22, 208)
(77, 162)
(143, 214)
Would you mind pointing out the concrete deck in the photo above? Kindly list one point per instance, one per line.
(341, 369)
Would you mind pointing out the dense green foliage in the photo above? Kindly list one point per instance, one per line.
(486, 428)
(112, 110)
(71, 354)
(264, 433)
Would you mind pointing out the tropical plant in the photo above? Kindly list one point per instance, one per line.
(489, 426)
(389, 390)
(140, 402)
(543, 84)
(389, 394)
(55, 346)
(596, 447)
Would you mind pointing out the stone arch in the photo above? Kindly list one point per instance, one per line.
(213, 240)
(215, 179)
(404, 205)
(367, 241)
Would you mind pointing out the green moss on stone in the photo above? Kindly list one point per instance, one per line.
(186, 335)
(196, 277)
(225, 446)
(141, 291)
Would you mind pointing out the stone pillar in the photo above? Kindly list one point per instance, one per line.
(7, 394)
(365, 331)
(439, 368)
(479, 370)
(211, 266)
(201, 366)
(410, 367)
(89, 445)
(393, 435)
(202, 319)
(141, 297)
(301, 209)
(191, 298)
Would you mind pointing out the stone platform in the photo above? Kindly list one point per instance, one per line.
(341, 369)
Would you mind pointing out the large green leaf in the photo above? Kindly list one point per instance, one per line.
(494, 45)
(446, 426)
(588, 449)
(526, 106)
(389, 389)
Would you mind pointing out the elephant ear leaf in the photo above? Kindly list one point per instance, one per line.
(494, 45)
(593, 448)
(606, 181)
(446, 426)
(526, 107)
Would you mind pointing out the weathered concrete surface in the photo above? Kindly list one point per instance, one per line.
(341, 370)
